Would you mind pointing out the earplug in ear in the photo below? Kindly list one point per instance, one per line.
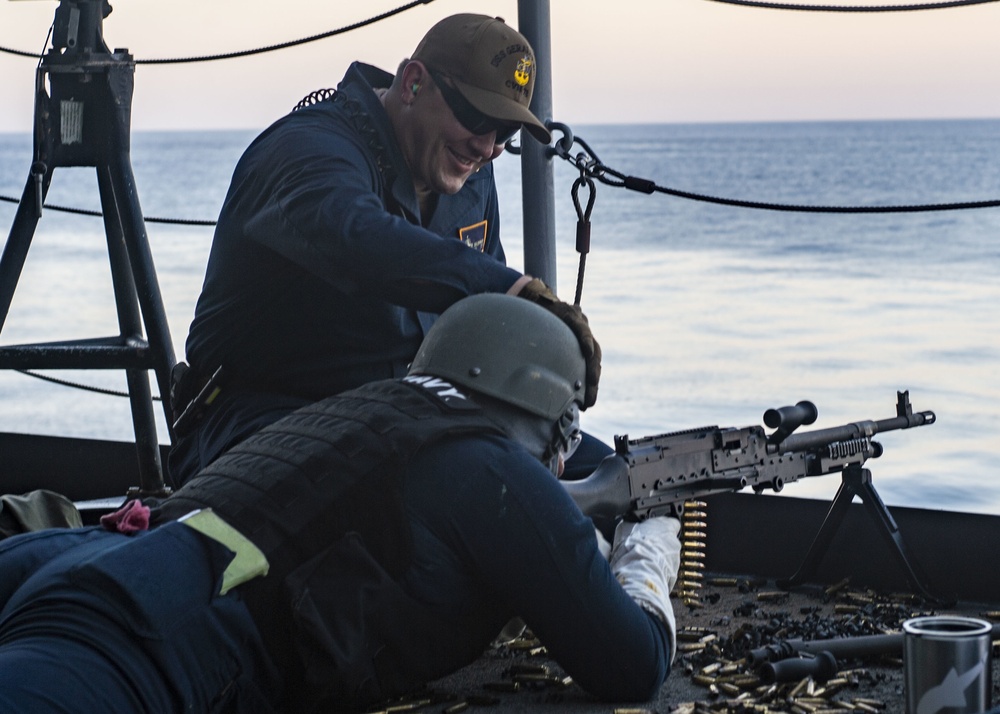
(414, 88)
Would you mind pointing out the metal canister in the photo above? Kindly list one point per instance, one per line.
(947, 663)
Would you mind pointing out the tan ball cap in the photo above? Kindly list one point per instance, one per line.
(491, 64)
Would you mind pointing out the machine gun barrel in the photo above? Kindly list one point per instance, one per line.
(810, 440)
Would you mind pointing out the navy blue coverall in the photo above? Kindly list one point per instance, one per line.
(323, 274)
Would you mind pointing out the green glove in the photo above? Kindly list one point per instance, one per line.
(538, 292)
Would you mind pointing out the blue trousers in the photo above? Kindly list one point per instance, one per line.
(94, 621)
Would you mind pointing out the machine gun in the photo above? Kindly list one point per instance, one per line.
(655, 475)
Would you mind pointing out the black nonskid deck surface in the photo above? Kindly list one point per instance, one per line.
(712, 672)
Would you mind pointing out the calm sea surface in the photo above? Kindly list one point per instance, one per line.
(707, 314)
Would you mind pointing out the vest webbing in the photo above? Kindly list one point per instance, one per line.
(325, 470)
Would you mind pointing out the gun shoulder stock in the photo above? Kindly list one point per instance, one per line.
(606, 491)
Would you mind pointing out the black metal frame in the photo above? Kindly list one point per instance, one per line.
(85, 121)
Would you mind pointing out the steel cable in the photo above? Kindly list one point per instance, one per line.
(589, 164)
(260, 50)
(946, 4)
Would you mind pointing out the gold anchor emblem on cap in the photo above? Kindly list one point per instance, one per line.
(522, 75)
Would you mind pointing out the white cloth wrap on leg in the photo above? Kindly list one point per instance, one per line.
(645, 560)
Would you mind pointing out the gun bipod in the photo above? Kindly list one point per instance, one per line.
(857, 481)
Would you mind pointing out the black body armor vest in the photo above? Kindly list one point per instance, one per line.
(320, 493)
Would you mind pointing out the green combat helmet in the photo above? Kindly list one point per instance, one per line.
(509, 349)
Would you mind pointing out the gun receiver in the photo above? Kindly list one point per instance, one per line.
(654, 475)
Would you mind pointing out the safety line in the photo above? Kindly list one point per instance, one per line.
(260, 50)
(854, 8)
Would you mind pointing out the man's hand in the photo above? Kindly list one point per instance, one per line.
(538, 292)
(645, 559)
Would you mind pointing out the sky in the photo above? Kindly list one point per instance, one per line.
(627, 61)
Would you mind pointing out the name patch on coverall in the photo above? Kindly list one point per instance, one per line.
(474, 236)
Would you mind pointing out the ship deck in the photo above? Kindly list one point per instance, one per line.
(712, 672)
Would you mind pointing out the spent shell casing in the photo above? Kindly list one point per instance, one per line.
(700, 631)
(723, 582)
(456, 707)
(689, 636)
(766, 692)
(833, 686)
(728, 688)
(522, 644)
(772, 595)
(837, 587)
(690, 646)
(746, 681)
(874, 703)
(799, 688)
(502, 686)
(863, 598)
(859, 706)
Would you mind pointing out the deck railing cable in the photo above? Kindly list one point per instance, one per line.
(946, 4)
(259, 50)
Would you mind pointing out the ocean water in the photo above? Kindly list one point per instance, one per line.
(707, 314)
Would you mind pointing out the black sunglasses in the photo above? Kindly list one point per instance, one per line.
(471, 118)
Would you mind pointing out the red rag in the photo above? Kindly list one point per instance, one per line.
(131, 517)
